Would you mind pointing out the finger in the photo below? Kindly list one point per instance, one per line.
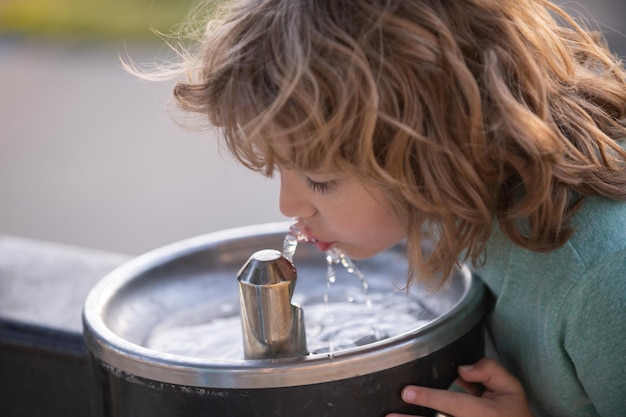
(474, 388)
(448, 402)
(490, 374)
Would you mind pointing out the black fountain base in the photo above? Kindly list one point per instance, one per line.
(43, 359)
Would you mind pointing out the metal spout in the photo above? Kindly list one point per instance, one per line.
(272, 326)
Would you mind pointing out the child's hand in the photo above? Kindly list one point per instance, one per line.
(503, 394)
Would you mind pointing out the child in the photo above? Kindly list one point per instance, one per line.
(489, 126)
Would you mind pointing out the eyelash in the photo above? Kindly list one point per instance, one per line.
(320, 187)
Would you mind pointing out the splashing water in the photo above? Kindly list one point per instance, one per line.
(333, 257)
(336, 257)
(340, 316)
(290, 243)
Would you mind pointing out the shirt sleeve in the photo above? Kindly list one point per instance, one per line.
(595, 334)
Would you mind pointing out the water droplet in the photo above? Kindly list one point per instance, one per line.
(289, 246)
(333, 257)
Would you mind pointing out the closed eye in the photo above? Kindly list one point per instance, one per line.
(320, 187)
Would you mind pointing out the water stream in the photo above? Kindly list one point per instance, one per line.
(340, 316)
(335, 326)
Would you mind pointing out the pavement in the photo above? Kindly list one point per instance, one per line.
(90, 156)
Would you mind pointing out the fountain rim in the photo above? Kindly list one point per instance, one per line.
(133, 359)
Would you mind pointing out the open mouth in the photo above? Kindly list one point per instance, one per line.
(300, 235)
(323, 246)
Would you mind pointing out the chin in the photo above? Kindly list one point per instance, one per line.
(364, 252)
(360, 253)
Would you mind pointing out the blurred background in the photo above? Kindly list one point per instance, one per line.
(91, 156)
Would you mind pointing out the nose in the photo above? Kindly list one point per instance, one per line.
(293, 199)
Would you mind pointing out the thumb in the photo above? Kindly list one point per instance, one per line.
(491, 375)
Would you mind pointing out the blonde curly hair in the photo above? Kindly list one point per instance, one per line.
(469, 113)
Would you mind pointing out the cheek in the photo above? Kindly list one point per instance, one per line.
(385, 220)
(388, 230)
(378, 229)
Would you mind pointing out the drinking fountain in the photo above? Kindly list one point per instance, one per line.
(215, 325)
(272, 326)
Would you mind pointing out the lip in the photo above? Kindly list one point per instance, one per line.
(305, 232)
(323, 246)
(310, 238)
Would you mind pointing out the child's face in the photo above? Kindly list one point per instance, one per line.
(340, 211)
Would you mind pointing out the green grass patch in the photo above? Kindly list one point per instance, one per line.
(93, 18)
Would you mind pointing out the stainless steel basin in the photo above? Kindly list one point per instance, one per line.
(194, 282)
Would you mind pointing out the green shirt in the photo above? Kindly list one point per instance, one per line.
(559, 321)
